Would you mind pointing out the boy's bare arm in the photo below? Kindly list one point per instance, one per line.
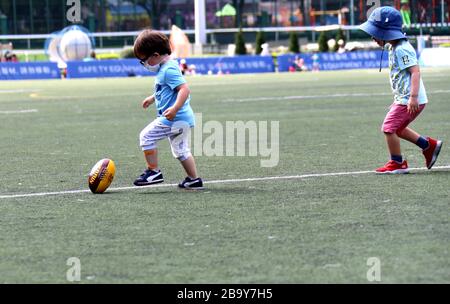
(413, 103)
(183, 94)
(148, 101)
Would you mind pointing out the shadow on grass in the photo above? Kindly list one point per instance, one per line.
(432, 172)
(419, 173)
(207, 190)
(230, 189)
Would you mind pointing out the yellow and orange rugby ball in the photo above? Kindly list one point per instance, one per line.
(101, 175)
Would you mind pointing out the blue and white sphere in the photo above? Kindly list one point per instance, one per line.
(75, 44)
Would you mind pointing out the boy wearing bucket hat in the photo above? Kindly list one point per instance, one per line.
(385, 26)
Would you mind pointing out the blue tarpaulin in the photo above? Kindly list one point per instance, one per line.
(106, 68)
(232, 65)
(132, 67)
(209, 65)
(28, 70)
(335, 61)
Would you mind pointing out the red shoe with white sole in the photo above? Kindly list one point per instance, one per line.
(393, 167)
(431, 153)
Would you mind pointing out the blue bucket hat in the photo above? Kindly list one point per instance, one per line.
(385, 23)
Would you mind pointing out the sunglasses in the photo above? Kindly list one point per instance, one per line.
(143, 62)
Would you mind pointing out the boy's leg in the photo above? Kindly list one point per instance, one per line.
(151, 157)
(192, 181)
(430, 146)
(393, 143)
(190, 168)
(396, 165)
(414, 137)
(148, 138)
(409, 135)
(151, 175)
(180, 149)
(394, 121)
(403, 131)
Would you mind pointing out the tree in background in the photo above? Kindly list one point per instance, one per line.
(239, 6)
(293, 43)
(323, 42)
(339, 36)
(260, 40)
(240, 44)
(127, 53)
(154, 9)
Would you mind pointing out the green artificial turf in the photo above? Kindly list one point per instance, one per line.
(317, 229)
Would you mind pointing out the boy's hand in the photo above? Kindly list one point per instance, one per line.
(148, 101)
(170, 113)
(413, 105)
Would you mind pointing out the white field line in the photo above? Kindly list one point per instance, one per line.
(93, 96)
(305, 97)
(19, 91)
(224, 181)
(319, 96)
(19, 111)
(343, 95)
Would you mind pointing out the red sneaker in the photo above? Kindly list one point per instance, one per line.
(392, 167)
(431, 153)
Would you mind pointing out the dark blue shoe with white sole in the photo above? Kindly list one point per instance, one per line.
(149, 177)
(191, 184)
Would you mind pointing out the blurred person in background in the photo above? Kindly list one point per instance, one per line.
(405, 12)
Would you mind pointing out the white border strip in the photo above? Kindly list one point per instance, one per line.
(18, 91)
(224, 181)
(318, 96)
(19, 111)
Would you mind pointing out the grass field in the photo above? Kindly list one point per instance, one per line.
(316, 229)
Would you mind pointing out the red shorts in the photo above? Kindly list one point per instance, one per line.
(398, 118)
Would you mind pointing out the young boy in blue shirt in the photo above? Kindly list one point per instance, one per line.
(385, 26)
(174, 113)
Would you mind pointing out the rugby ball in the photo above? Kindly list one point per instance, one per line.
(101, 175)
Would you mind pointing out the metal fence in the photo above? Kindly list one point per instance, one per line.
(46, 16)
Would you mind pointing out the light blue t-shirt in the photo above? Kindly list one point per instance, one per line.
(168, 78)
(402, 57)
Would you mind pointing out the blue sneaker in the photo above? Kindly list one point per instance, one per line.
(192, 184)
(149, 177)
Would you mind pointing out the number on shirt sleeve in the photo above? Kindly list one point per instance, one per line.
(406, 58)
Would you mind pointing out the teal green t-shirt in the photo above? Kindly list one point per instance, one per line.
(167, 79)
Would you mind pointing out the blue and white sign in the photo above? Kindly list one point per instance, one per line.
(335, 61)
(232, 65)
(28, 70)
(132, 67)
(106, 68)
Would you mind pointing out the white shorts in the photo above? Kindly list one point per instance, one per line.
(178, 136)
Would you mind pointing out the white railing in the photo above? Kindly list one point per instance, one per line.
(312, 29)
(229, 30)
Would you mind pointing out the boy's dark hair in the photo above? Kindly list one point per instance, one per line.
(150, 42)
